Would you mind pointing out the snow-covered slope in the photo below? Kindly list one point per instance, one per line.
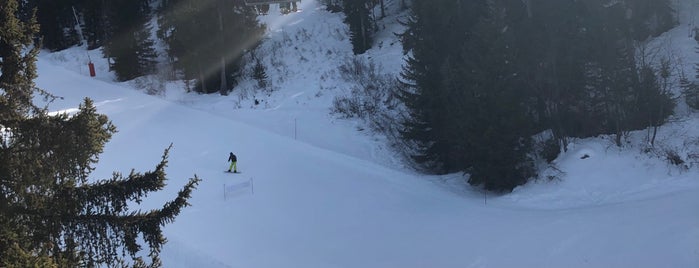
(322, 194)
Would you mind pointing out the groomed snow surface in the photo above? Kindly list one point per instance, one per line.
(317, 191)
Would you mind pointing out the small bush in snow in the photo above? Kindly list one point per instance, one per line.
(693, 159)
(303, 35)
(349, 107)
(370, 90)
(690, 90)
(333, 6)
(151, 84)
(673, 157)
(259, 74)
(372, 98)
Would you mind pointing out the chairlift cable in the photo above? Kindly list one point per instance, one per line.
(80, 32)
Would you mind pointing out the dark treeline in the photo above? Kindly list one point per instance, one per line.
(119, 26)
(484, 77)
(205, 40)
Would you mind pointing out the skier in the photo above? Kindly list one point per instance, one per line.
(233, 160)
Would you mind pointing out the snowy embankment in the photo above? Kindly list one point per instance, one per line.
(323, 194)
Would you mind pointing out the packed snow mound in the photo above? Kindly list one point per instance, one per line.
(595, 173)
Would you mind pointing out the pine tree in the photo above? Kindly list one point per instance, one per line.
(654, 100)
(96, 22)
(128, 41)
(17, 67)
(496, 128)
(422, 92)
(50, 214)
(359, 21)
(431, 75)
(259, 74)
(181, 36)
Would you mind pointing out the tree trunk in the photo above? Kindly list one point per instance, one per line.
(202, 80)
(222, 89)
(383, 9)
(363, 29)
(224, 81)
